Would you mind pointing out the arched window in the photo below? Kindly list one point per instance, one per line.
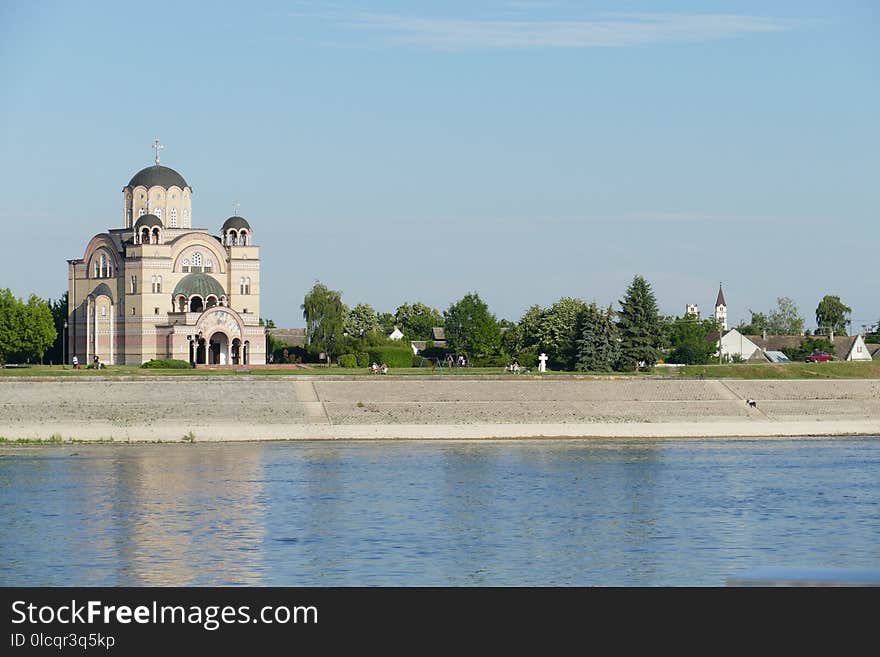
(185, 265)
(197, 261)
(243, 238)
(158, 212)
(241, 286)
(209, 266)
(232, 237)
(134, 286)
(185, 218)
(155, 239)
(157, 284)
(142, 212)
(145, 235)
(173, 217)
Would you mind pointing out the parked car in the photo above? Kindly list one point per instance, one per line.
(819, 357)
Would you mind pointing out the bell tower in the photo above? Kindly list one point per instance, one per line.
(721, 309)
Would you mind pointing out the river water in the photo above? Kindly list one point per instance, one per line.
(622, 512)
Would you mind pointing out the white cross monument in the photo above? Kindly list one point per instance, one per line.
(542, 366)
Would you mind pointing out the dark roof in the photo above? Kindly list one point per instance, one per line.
(200, 284)
(157, 176)
(295, 337)
(148, 220)
(720, 300)
(236, 222)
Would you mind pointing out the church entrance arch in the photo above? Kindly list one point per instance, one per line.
(236, 351)
(219, 349)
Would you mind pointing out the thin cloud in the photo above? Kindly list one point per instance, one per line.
(612, 32)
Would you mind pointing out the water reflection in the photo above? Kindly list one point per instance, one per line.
(502, 513)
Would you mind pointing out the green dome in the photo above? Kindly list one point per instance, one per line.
(148, 220)
(200, 284)
(236, 222)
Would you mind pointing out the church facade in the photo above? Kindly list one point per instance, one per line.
(159, 288)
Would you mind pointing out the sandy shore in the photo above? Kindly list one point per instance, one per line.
(287, 408)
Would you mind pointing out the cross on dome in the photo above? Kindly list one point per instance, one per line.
(157, 147)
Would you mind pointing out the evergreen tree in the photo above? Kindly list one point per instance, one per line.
(639, 326)
(598, 348)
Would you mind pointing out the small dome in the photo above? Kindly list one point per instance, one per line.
(157, 175)
(235, 222)
(200, 284)
(148, 220)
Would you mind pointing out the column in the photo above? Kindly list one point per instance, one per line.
(111, 333)
(88, 308)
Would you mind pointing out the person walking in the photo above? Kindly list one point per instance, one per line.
(75, 362)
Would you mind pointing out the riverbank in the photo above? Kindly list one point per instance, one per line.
(285, 408)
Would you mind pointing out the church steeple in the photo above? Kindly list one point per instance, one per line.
(721, 309)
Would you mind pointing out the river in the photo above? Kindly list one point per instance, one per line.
(610, 512)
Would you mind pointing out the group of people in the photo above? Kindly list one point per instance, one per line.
(378, 369)
(515, 368)
(97, 362)
(456, 361)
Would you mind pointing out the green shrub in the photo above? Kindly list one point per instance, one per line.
(348, 360)
(497, 360)
(392, 356)
(363, 359)
(166, 364)
(527, 358)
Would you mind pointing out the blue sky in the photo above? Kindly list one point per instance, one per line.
(404, 151)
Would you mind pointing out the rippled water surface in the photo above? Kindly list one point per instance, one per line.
(626, 512)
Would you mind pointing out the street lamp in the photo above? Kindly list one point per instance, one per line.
(64, 347)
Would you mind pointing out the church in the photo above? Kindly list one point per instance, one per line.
(159, 288)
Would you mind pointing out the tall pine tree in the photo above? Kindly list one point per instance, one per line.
(639, 326)
(599, 343)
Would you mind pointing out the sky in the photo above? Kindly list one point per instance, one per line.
(523, 149)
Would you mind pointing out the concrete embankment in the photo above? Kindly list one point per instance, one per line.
(267, 408)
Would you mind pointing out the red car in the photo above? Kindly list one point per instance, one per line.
(819, 357)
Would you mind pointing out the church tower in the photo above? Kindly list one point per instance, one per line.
(721, 309)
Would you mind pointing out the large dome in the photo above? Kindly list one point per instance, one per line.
(157, 175)
(200, 284)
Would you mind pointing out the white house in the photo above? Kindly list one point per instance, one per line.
(734, 343)
(396, 334)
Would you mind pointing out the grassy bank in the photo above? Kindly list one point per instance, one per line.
(833, 370)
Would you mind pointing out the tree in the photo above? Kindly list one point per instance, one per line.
(530, 327)
(10, 325)
(386, 322)
(58, 307)
(417, 320)
(831, 315)
(27, 330)
(471, 328)
(39, 328)
(785, 319)
(639, 326)
(360, 320)
(690, 340)
(324, 313)
(598, 348)
(559, 331)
